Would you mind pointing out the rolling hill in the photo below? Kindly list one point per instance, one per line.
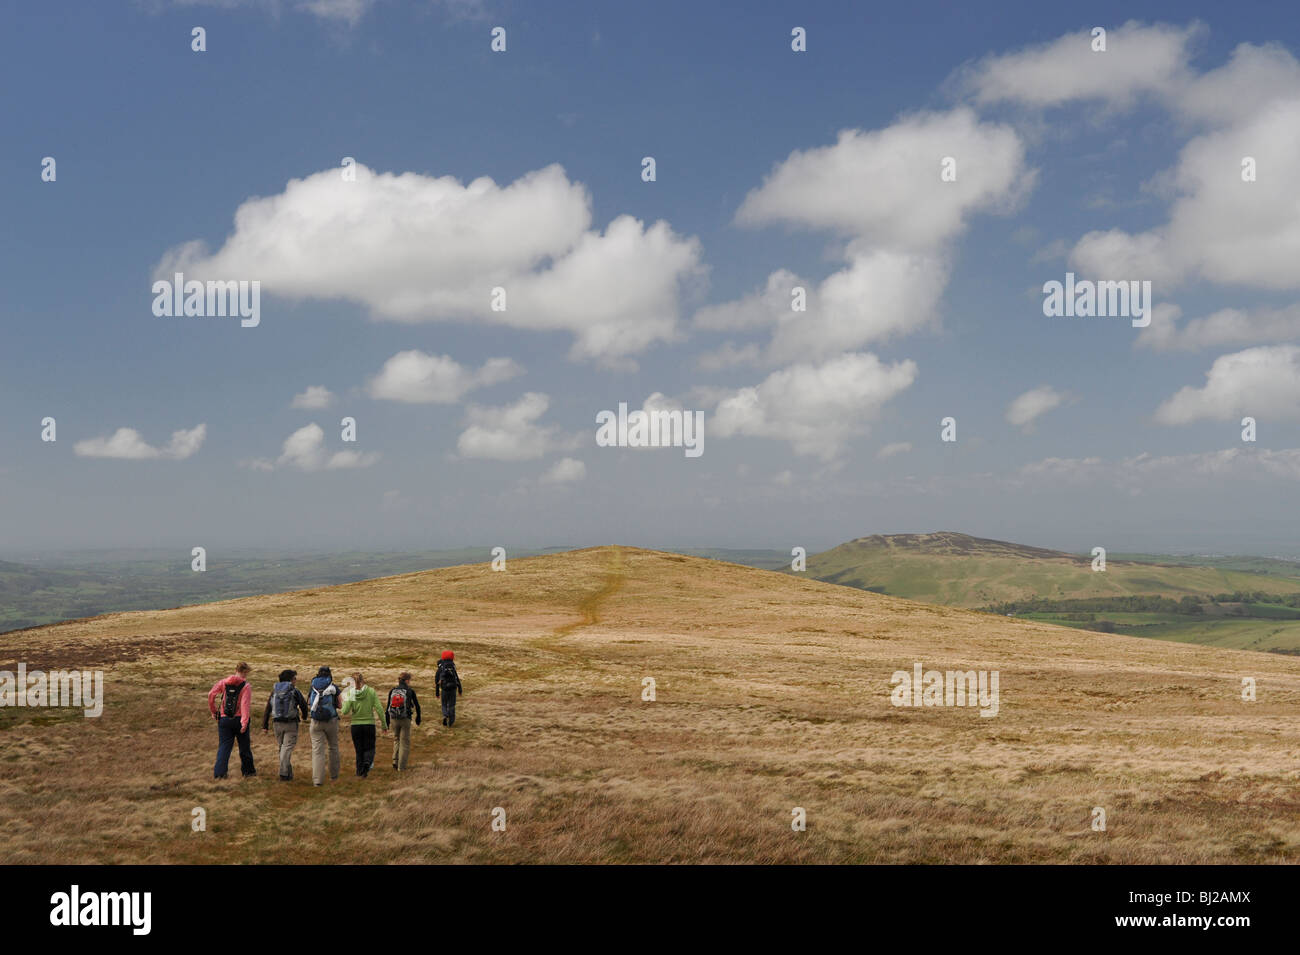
(958, 570)
(772, 693)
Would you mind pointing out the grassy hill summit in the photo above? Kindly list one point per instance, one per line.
(1244, 603)
(771, 693)
(951, 542)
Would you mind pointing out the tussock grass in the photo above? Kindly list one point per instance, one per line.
(772, 693)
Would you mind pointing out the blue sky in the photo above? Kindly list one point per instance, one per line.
(157, 146)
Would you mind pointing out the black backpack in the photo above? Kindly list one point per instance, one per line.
(447, 679)
(230, 706)
(399, 703)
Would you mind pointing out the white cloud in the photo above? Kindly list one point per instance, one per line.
(1229, 326)
(1033, 404)
(313, 398)
(340, 11)
(883, 186)
(882, 293)
(565, 471)
(896, 447)
(305, 451)
(1261, 382)
(1138, 59)
(418, 378)
(1161, 472)
(882, 190)
(417, 248)
(511, 433)
(128, 444)
(817, 408)
(1220, 228)
(348, 11)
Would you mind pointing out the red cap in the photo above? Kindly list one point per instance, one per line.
(448, 655)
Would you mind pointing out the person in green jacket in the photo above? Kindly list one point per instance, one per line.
(363, 706)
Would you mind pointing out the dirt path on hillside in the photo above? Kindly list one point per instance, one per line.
(589, 607)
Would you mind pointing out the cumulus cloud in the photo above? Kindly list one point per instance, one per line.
(418, 248)
(313, 398)
(883, 186)
(881, 191)
(1220, 228)
(565, 471)
(128, 444)
(817, 408)
(882, 293)
(1229, 326)
(896, 447)
(511, 433)
(305, 450)
(415, 377)
(1260, 382)
(1139, 59)
(1032, 405)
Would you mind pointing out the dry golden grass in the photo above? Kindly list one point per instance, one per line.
(773, 692)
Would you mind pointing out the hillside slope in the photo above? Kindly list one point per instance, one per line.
(962, 571)
(772, 692)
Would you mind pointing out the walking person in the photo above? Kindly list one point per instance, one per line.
(446, 684)
(402, 703)
(284, 706)
(230, 702)
(363, 706)
(323, 708)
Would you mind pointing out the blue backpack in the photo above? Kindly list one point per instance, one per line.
(324, 699)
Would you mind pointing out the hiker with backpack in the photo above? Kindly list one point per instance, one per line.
(284, 706)
(230, 702)
(446, 684)
(323, 708)
(363, 705)
(402, 703)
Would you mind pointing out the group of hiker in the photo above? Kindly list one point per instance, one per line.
(230, 703)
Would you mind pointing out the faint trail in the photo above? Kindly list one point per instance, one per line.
(588, 607)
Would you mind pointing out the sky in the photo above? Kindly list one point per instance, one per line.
(919, 171)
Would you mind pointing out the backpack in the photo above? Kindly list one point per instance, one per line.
(323, 705)
(230, 705)
(399, 703)
(284, 705)
(447, 678)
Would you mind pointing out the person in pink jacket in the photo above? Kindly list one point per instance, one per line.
(231, 703)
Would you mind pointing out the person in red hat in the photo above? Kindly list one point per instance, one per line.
(446, 685)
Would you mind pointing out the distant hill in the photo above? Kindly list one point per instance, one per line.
(1247, 603)
(963, 571)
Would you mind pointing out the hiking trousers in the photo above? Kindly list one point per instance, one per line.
(324, 739)
(449, 706)
(286, 737)
(363, 738)
(401, 727)
(227, 734)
